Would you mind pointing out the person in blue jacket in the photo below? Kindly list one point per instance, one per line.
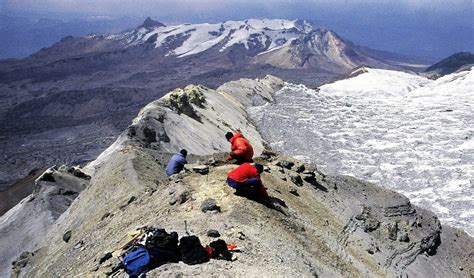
(176, 163)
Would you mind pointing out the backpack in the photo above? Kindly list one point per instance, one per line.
(136, 262)
(219, 250)
(163, 247)
(192, 252)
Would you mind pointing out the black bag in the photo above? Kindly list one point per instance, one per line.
(219, 248)
(192, 252)
(163, 247)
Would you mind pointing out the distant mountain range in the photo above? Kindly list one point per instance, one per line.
(280, 43)
(23, 35)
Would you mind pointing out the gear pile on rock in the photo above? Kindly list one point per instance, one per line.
(151, 247)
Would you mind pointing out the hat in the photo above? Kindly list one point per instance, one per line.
(183, 152)
(229, 135)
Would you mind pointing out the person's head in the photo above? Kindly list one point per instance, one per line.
(259, 168)
(183, 152)
(229, 135)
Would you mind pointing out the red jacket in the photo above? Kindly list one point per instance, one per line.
(241, 148)
(244, 172)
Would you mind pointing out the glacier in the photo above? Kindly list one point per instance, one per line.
(203, 36)
(395, 129)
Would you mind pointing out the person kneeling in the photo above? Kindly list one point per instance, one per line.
(246, 181)
(176, 163)
(241, 150)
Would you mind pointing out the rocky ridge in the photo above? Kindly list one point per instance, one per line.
(324, 225)
(27, 223)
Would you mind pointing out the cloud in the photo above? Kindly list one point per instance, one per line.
(210, 6)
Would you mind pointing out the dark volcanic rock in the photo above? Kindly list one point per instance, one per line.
(300, 168)
(47, 176)
(150, 23)
(294, 190)
(149, 135)
(201, 169)
(20, 263)
(105, 257)
(430, 243)
(285, 164)
(296, 179)
(213, 233)
(67, 236)
(309, 176)
(404, 237)
(78, 173)
(210, 205)
(369, 222)
(402, 209)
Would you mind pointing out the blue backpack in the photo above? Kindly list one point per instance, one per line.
(137, 262)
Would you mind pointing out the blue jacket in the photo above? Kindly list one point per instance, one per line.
(176, 164)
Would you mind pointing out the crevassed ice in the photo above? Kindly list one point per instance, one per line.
(398, 130)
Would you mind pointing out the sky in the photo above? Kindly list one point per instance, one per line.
(422, 28)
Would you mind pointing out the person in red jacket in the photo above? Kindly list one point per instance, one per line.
(246, 180)
(241, 150)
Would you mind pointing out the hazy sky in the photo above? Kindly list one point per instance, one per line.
(414, 27)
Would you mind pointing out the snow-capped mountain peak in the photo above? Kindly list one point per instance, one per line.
(264, 34)
(281, 43)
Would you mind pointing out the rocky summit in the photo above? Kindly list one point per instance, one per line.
(315, 225)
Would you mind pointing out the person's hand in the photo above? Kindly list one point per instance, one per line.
(231, 156)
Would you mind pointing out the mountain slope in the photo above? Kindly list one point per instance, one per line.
(165, 125)
(454, 63)
(325, 225)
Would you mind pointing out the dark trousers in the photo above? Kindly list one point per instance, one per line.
(249, 188)
(240, 159)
